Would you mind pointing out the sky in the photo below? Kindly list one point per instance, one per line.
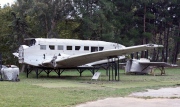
(3, 2)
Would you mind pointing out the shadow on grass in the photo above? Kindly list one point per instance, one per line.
(64, 77)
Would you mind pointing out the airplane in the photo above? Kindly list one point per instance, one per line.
(144, 66)
(67, 53)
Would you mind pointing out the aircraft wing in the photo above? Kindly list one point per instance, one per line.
(159, 64)
(82, 59)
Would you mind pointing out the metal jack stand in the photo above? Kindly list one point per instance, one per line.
(113, 68)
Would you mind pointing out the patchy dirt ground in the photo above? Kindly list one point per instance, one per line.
(164, 97)
(160, 93)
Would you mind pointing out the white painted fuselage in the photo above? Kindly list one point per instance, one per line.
(42, 51)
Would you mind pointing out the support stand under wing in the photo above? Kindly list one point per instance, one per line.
(59, 71)
(112, 69)
(156, 65)
(144, 66)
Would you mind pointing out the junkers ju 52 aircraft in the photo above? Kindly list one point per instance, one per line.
(67, 53)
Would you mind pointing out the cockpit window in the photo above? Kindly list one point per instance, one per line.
(33, 41)
(30, 42)
(42, 47)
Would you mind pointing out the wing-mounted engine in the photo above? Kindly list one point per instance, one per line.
(51, 62)
(20, 53)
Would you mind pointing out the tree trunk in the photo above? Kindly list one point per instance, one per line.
(144, 29)
(154, 55)
(176, 48)
(23, 68)
(167, 45)
(47, 29)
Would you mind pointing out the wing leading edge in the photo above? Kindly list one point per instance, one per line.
(82, 59)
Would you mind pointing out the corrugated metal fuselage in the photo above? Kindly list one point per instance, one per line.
(40, 50)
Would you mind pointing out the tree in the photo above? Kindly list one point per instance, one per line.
(94, 18)
(125, 29)
(6, 45)
(45, 13)
(175, 16)
(129, 22)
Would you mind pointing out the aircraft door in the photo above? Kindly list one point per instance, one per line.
(21, 54)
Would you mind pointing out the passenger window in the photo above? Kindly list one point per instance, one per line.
(86, 48)
(60, 47)
(93, 49)
(52, 47)
(42, 47)
(101, 48)
(77, 47)
(69, 47)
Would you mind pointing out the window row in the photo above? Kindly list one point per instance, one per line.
(61, 47)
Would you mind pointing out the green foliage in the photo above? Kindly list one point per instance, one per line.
(129, 22)
(150, 16)
(43, 15)
(147, 35)
(5, 19)
(95, 20)
(6, 43)
(65, 29)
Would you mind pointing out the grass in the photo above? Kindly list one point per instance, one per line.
(71, 89)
